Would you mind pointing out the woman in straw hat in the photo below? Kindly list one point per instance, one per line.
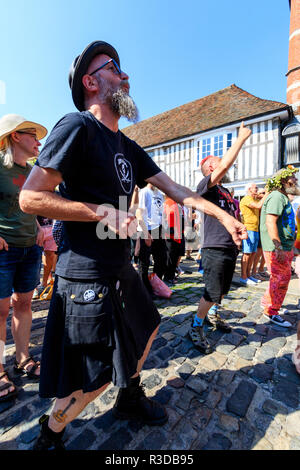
(20, 241)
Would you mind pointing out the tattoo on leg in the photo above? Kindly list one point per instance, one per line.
(60, 415)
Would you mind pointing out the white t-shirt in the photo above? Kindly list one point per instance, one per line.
(152, 202)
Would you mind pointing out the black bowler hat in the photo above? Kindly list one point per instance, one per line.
(80, 66)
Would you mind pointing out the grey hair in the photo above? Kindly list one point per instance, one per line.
(6, 155)
(248, 186)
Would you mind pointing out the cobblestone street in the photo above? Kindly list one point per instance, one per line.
(245, 395)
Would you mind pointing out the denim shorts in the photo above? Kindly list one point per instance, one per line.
(250, 245)
(19, 270)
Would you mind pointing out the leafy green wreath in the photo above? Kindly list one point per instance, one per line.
(276, 181)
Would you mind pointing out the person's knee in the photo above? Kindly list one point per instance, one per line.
(21, 303)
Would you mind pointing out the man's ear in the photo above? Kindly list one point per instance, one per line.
(210, 167)
(90, 83)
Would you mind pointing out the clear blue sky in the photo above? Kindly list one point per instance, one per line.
(174, 51)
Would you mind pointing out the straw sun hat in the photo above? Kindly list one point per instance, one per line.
(14, 122)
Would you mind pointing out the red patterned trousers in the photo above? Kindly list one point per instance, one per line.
(280, 275)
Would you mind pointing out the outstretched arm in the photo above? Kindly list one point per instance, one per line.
(38, 197)
(187, 197)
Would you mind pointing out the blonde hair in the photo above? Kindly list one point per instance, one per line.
(6, 154)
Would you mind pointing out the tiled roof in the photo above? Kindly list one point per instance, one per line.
(232, 104)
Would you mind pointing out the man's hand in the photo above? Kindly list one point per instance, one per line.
(3, 244)
(236, 229)
(40, 237)
(120, 222)
(279, 253)
(244, 132)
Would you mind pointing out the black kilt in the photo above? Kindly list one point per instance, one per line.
(96, 332)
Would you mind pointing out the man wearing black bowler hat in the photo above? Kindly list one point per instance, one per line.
(101, 321)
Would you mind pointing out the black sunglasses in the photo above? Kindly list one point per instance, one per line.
(116, 70)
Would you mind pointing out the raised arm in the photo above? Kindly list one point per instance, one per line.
(229, 158)
(258, 204)
(189, 198)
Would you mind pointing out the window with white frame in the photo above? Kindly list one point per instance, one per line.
(229, 141)
(218, 146)
(205, 147)
(198, 153)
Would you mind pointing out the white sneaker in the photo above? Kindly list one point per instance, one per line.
(37, 292)
(278, 320)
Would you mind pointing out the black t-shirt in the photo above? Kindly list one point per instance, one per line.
(97, 166)
(215, 234)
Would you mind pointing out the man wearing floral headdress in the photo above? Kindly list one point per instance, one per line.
(277, 231)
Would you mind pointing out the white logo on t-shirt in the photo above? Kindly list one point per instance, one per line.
(124, 172)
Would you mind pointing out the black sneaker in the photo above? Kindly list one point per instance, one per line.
(215, 321)
(47, 440)
(278, 320)
(132, 403)
(199, 339)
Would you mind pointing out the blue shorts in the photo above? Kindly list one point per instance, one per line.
(19, 270)
(250, 245)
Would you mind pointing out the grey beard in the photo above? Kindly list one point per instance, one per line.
(294, 190)
(119, 101)
(225, 179)
(123, 104)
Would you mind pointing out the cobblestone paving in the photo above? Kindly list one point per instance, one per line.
(245, 395)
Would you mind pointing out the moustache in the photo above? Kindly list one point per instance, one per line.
(125, 84)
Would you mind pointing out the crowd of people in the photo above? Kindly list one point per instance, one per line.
(65, 213)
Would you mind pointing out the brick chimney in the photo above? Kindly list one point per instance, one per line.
(293, 74)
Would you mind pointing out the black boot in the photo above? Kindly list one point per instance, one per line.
(48, 439)
(132, 403)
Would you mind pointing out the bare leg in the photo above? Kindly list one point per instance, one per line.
(67, 409)
(257, 256)
(146, 352)
(203, 308)
(49, 260)
(262, 264)
(250, 263)
(244, 264)
(77, 401)
(4, 310)
(21, 326)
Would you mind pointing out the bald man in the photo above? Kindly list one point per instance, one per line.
(219, 251)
